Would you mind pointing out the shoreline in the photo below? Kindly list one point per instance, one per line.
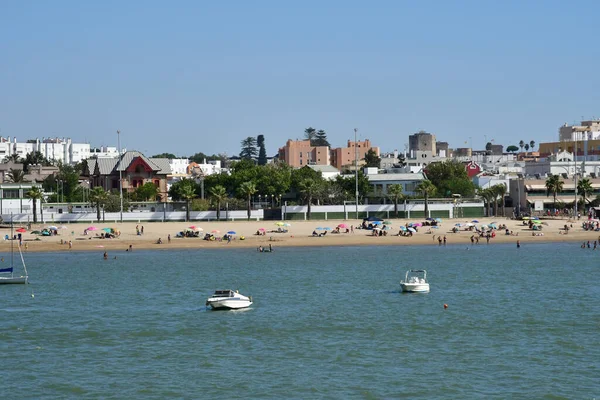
(299, 235)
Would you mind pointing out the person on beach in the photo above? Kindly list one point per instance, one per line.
(444, 240)
(70, 245)
(169, 238)
(518, 244)
(351, 228)
(270, 247)
(439, 240)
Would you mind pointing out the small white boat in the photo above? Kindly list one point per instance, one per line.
(228, 300)
(415, 281)
(13, 279)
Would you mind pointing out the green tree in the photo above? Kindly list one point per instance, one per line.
(218, 194)
(498, 192)
(16, 175)
(34, 158)
(35, 194)
(395, 192)
(147, 191)
(247, 190)
(308, 188)
(487, 196)
(427, 189)
(488, 146)
(113, 202)
(310, 134)
(262, 152)
(321, 138)
(186, 190)
(521, 145)
(372, 159)
(170, 156)
(532, 144)
(512, 149)
(526, 146)
(69, 176)
(249, 150)
(585, 189)
(450, 177)
(98, 197)
(554, 185)
(13, 158)
(200, 157)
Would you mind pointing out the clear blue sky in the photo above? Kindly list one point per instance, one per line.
(191, 76)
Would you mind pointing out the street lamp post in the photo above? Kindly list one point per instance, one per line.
(356, 170)
(575, 164)
(120, 175)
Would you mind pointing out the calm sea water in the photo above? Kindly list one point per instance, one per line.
(326, 323)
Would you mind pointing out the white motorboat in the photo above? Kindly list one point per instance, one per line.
(228, 300)
(415, 281)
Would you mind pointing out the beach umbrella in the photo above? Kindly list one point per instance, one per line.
(107, 230)
(215, 231)
(319, 228)
(342, 226)
(387, 222)
(438, 220)
(53, 227)
(475, 221)
(429, 219)
(92, 228)
(327, 228)
(280, 223)
(402, 228)
(21, 230)
(231, 233)
(261, 229)
(193, 227)
(413, 230)
(287, 224)
(493, 226)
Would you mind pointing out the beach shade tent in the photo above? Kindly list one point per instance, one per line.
(493, 226)
(411, 229)
(429, 219)
(342, 226)
(280, 223)
(475, 221)
(327, 228)
(52, 227)
(372, 219)
(438, 220)
(21, 230)
(231, 232)
(319, 228)
(377, 222)
(92, 228)
(403, 228)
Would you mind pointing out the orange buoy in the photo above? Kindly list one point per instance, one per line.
(445, 306)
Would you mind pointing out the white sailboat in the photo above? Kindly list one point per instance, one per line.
(13, 279)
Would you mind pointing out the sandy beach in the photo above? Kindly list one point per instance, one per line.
(299, 234)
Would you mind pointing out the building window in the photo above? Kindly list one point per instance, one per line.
(301, 162)
(10, 193)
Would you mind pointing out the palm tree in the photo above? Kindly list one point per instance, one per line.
(248, 189)
(35, 194)
(16, 175)
(526, 147)
(486, 195)
(554, 185)
(218, 193)
(308, 187)
(426, 188)
(584, 187)
(395, 192)
(98, 197)
(532, 144)
(187, 191)
(521, 145)
(498, 192)
(14, 158)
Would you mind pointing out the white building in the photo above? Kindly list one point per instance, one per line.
(588, 130)
(57, 149)
(179, 165)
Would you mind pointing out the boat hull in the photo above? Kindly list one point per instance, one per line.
(228, 304)
(415, 287)
(16, 280)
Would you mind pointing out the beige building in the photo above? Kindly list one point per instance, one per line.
(345, 156)
(298, 153)
(588, 130)
(421, 141)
